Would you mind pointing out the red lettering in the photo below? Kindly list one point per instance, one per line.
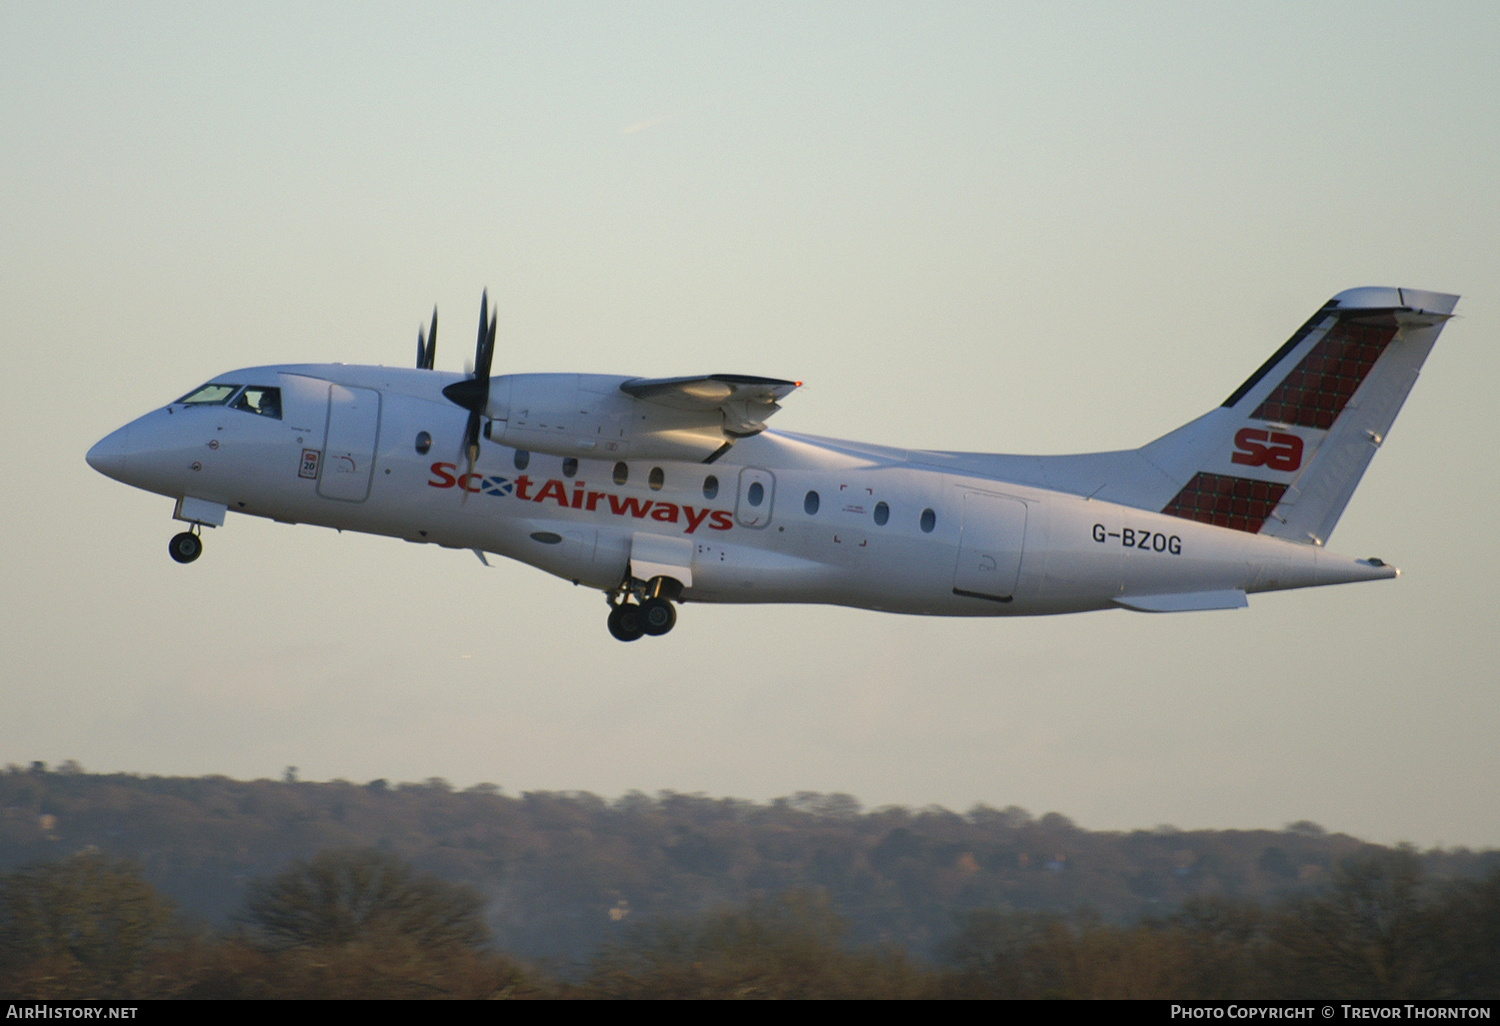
(694, 519)
(1286, 456)
(553, 490)
(1284, 453)
(632, 505)
(1252, 453)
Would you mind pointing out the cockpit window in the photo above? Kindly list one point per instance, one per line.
(209, 395)
(263, 401)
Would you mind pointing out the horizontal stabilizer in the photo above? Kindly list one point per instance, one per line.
(1184, 602)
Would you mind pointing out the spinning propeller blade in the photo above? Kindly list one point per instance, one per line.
(427, 345)
(473, 393)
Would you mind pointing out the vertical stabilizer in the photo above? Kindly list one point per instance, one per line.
(1284, 453)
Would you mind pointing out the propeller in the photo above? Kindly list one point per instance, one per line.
(427, 345)
(473, 393)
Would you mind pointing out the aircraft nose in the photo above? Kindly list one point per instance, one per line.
(109, 453)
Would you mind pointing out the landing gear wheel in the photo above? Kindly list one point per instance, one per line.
(626, 622)
(658, 616)
(185, 547)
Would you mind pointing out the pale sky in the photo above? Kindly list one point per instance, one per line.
(1000, 227)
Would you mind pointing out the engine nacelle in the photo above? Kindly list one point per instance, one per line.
(589, 417)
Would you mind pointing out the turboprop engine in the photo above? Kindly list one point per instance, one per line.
(601, 416)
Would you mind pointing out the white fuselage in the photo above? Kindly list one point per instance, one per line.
(778, 518)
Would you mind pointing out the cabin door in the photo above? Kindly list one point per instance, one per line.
(349, 449)
(990, 547)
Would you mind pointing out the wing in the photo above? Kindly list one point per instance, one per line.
(608, 417)
(741, 400)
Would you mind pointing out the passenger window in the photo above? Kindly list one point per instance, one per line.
(882, 514)
(710, 487)
(622, 473)
(570, 466)
(522, 459)
(929, 520)
(657, 479)
(424, 443)
(810, 504)
(265, 402)
(757, 493)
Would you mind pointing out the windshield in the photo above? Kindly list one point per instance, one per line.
(209, 395)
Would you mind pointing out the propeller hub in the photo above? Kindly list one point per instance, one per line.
(472, 394)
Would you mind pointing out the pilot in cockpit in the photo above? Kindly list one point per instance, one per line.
(263, 401)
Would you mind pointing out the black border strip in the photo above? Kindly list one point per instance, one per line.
(1282, 353)
(989, 598)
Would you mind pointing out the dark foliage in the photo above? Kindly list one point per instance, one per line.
(88, 927)
(788, 948)
(561, 875)
(1379, 930)
(342, 896)
(83, 926)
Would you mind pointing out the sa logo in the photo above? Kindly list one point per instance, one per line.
(1284, 453)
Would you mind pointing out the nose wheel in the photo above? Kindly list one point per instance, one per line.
(185, 547)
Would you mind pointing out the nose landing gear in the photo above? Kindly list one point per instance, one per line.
(186, 547)
(651, 612)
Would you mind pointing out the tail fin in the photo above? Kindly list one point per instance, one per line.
(1284, 453)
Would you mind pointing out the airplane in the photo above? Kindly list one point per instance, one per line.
(663, 491)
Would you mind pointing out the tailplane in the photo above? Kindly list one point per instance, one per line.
(1283, 454)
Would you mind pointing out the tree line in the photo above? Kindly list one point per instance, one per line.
(563, 874)
(363, 923)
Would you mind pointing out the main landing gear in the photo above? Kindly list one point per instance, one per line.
(651, 612)
(187, 546)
